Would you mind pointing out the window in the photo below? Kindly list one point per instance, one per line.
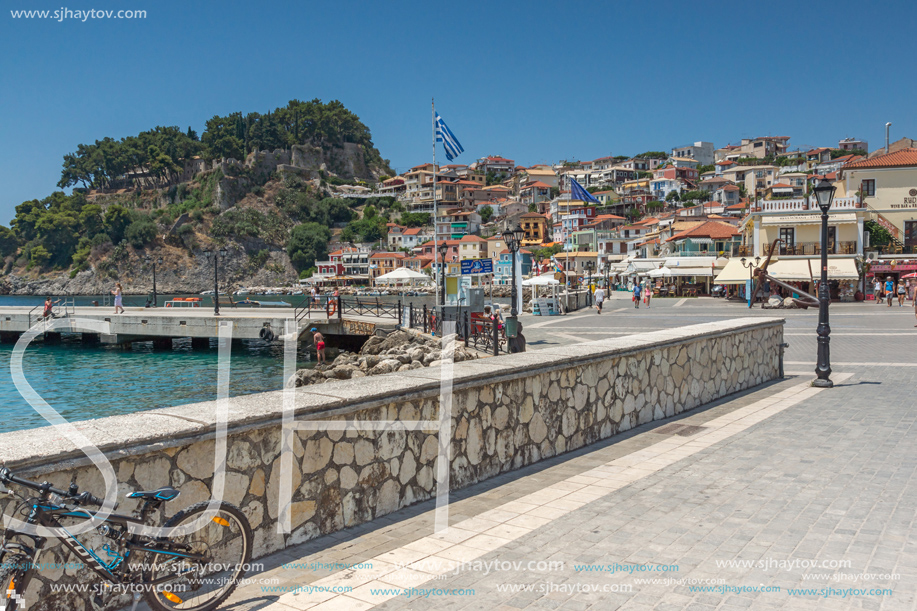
(787, 239)
(868, 187)
(758, 144)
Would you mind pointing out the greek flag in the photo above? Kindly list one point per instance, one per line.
(577, 192)
(450, 142)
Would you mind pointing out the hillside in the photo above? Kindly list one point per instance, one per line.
(270, 210)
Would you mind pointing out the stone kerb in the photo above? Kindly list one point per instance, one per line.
(508, 412)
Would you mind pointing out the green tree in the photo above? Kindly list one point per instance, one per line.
(414, 219)
(369, 212)
(878, 235)
(116, 220)
(672, 196)
(308, 243)
(9, 243)
(40, 256)
(486, 213)
(91, 219)
(141, 232)
(533, 207)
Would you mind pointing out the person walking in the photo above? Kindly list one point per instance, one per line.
(902, 293)
(889, 290)
(637, 295)
(49, 308)
(647, 294)
(877, 290)
(119, 298)
(599, 298)
(319, 342)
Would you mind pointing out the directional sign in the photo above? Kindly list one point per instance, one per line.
(477, 266)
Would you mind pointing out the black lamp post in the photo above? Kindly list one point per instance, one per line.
(513, 239)
(443, 250)
(750, 267)
(824, 194)
(216, 256)
(154, 262)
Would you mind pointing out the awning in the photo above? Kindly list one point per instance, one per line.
(810, 219)
(692, 271)
(733, 273)
(701, 240)
(798, 269)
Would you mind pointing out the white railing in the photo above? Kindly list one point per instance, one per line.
(802, 204)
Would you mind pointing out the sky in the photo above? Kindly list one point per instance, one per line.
(533, 81)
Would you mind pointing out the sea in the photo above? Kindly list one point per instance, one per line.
(93, 381)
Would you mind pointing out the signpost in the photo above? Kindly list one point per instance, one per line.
(477, 266)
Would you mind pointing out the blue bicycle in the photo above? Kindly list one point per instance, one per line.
(196, 571)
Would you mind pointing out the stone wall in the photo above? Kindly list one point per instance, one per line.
(508, 412)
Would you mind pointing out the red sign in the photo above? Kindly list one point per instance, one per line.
(897, 268)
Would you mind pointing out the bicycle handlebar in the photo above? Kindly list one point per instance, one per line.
(6, 476)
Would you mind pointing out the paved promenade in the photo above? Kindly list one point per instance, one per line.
(785, 497)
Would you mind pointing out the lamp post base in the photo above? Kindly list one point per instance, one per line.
(819, 383)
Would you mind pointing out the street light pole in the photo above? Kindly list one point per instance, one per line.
(221, 254)
(513, 239)
(750, 267)
(443, 250)
(824, 194)
(154, 262)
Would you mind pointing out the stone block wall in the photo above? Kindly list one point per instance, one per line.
(507, 412)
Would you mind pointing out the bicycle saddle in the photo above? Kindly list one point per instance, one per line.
(166, 493)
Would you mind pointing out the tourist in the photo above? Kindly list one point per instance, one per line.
(119, 294)
(319, 342)
(647, 294)
(637, 295)
(314, 294)
(49, 306)
(889, 290)
(877, 290)
(902, 293)
(599, 298)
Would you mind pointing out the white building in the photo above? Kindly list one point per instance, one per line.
(700, 151)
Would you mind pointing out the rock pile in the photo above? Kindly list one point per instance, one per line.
(398, 351)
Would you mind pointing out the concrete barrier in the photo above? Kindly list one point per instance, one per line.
(508, 412)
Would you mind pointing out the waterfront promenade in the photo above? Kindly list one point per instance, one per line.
(783, 497)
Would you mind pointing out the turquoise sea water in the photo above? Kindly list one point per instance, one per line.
(84, 382)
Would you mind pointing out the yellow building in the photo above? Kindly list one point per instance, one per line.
(536, 228)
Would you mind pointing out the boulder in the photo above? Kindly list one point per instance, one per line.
(305, 377)
(343, 372)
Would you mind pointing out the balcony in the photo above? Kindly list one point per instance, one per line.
(814, 248)
(802, 205)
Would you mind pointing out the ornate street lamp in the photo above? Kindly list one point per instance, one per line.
(153, 262)
(443, 250)
(751, 269)
(216, 256)
(824, 194)
(513, 239)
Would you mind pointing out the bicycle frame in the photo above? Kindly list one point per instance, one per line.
(115, 571)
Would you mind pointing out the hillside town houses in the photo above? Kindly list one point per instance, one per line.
(692, 211)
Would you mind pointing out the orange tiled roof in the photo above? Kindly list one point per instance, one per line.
(903, 158)
(710, 229)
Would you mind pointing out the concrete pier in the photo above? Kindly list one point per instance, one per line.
(161, 325)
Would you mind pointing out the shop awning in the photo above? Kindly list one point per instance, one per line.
(810, 219)
(733, 273)
(791, 270)
(692, 271)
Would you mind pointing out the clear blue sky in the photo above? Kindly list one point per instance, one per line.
(534, 81)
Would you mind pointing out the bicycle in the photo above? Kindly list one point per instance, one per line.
(178, 570)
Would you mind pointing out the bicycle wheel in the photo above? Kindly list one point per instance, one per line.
(12, 589)
(226, 545)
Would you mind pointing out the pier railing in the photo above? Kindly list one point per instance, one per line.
(341, 306)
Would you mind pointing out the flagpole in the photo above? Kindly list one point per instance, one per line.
(439, 269)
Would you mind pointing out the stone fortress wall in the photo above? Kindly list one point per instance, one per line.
(507, 412)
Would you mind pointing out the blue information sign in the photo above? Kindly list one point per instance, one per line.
(477, 266)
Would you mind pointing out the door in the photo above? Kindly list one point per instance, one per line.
(832, 240)
(787, 240)
(910, 233)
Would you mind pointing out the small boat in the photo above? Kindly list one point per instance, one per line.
(207, 292)
(242, 291)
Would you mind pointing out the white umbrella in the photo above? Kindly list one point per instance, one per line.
(658, 273)
(403, 273)
(542, 280)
